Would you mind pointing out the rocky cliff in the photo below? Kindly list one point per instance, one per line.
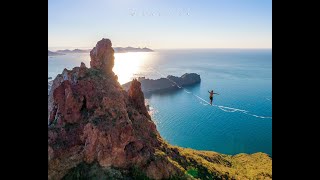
(164, 84)
(97, 130)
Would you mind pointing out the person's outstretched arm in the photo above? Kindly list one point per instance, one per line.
(215, 93)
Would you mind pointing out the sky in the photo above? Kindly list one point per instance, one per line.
(160, 24)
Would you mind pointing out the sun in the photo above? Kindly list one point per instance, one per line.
(128, 64)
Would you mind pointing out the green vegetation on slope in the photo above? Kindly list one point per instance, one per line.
(211, 165)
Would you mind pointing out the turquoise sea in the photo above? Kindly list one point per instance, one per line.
(240, 120)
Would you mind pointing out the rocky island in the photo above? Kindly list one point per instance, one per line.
(98, 130)
(164, 84)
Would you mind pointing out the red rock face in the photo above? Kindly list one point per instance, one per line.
(102, 56)
(137, 98)
(92, 119)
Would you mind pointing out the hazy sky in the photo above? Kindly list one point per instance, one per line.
(161, 23)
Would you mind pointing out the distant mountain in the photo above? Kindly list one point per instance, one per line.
(81, 50)
(74, 51)
(50, 53)
(116, 50)
(131, 49)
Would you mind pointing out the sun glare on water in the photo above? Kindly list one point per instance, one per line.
(128, 65)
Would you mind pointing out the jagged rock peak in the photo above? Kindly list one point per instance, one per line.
(102, 56)
(137, 98)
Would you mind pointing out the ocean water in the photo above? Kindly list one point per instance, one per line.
(240, 120)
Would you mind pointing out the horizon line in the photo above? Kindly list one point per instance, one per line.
(82, 48)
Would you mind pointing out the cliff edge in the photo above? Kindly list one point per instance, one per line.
(97, 130)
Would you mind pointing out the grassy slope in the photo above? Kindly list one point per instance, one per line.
(211, 165)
